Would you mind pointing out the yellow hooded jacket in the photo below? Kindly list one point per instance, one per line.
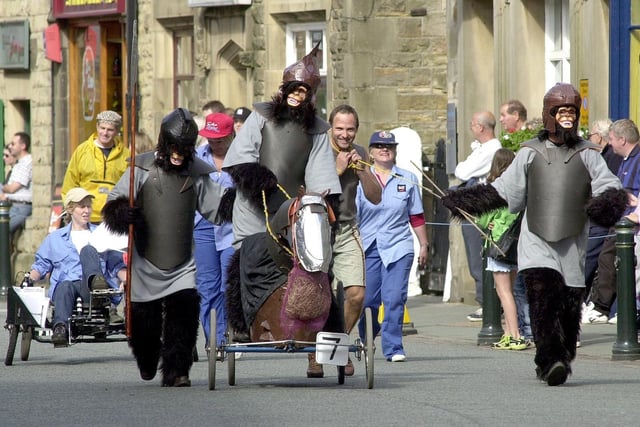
(89, 169)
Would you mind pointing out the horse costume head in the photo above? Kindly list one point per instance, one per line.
(302, 234)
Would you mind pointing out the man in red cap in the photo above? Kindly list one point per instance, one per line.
(212, 242)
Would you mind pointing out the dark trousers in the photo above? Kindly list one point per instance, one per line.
(66, 293)
(473, 248)
(597, 235)
(604, 289)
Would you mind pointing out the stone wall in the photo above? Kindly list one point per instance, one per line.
(34, 86)
(391, 66)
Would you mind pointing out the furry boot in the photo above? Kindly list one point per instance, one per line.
(180, 332)
(555, 322)
(146, 328)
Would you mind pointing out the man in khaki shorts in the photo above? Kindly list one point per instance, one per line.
(348, 255)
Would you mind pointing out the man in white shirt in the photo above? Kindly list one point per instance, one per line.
(17, 190)
(471, 171)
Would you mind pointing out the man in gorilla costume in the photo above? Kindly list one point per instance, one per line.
(560, 181)
(170, 184)
(282, 143)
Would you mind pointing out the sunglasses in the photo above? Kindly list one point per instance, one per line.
(381, 146)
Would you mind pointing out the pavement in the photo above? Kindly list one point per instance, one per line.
(447, 322)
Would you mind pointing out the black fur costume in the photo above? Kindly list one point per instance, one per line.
(165, 303)
(555, 308)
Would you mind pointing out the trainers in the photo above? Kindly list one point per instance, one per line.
(60, 336)
(349, 369)
(398, 358)
(114, 317)
(476, 316)
(613, 320)
(594, 316)
(314, 370)
(503, 344)
(519, 344)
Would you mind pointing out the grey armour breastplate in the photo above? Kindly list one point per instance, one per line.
(555, 210)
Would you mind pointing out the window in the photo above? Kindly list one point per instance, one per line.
(184, 94)
(301, 38)
(557, 44)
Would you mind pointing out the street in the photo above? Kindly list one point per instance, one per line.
(447, 380)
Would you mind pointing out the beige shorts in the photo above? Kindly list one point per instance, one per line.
(348, 257)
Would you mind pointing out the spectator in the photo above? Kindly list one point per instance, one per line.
(513, 116)
(599, 135)
(496, 223)
(169, 185)
(99, 162)
(388, 242)
(471, 171)
(239, 117)
(553, 236)
(74, 265)
(9, 160)
(211, 107)
(18, 189)
(624, 139)
(212, 243)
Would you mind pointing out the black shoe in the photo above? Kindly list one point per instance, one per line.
(557, 374)
(99, 283)
(60, 336)
(241, 337)
(182, 382)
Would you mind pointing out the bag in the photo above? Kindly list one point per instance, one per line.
(508, 243)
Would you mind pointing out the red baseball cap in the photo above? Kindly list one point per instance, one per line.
(217, 125)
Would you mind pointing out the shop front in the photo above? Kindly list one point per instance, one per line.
(94, 69)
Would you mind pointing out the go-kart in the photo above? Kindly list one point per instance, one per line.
(29, 312)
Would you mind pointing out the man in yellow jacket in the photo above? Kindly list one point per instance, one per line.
(99, 162)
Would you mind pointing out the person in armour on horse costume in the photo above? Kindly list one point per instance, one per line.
(170, 184)
(282, 146)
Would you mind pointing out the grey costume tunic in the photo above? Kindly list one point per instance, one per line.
(149, 282)
(320, 172)
(566, 256)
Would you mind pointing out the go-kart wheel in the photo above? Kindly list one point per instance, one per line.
(340, 375)
(369, 348)
(231, 360)
(213, 350)
(25, 345)
(13, 340)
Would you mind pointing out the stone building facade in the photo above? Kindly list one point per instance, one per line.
(387, 58)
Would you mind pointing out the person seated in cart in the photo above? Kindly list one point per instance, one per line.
(74, 266)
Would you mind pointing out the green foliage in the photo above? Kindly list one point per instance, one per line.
(513, 140)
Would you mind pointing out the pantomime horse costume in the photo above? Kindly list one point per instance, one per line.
(281, 147)
(561, 182)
